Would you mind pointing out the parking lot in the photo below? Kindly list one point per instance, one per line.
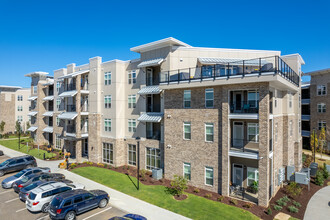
(13, 208)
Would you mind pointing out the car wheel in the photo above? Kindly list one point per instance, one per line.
(70, 215)
(103, 203)
(45, 208)
(1, 173)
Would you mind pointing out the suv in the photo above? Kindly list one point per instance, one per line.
(24, 192)
(17, 163)
(8, 182)
(40, 197)
(69, 204)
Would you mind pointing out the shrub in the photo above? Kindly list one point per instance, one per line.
(208, 195)
(293, 189)
(89, 163)
(105, 165)
(248, 205)
(297, 204)
(293, 209)
(220, 198)
(127, 167)
(73, 165)
(254, 187)
(280, 202)
(179, 185)
(196, 190)
(269, 211)
(277, 207)
(319, 179)
(233, 201)
(143, 174)
(100, 164)
(285, 199)
(325, 171)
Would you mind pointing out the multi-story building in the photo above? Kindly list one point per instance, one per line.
(14, 99)
(219, 117)
(305, 114)
(319, 99)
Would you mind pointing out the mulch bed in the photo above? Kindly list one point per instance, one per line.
(253, 208)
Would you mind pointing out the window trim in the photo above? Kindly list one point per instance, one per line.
(256, 126)
(157, 156)
(322, 122)
(107, 78)
(184, 133)
(205, 169)
(131, 128)
(132, 77)
(131, 104)
(110, 150)
(106, 99)
(256, 174)
(209, 91)
(184, 101)
(206, 125)
(128, 153)
(321, 87)
(321, 106)
(184, 165)
(107, 128)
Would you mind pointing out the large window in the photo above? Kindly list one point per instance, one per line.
(187, 99)
(253, 132)
(209, 97)
(131, 101)
(58, 121)
(209, 176)
(107, 101)
(19, 108)
(132, 154)
(58, 86)
(187, 171)
(209, 132)
(19, 98)
(58, 103)
(153, 158)
(107, 156)
(253, 98)
(107, 124)
(107, 78)
(252, 175)
(321, 108)
(58, 141)
(132, 77)
(321, 90)
(322, 124)
(35, 89)
(131, 125)
(186, 130)
(19, 118)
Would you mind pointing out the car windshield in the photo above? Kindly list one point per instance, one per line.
(4, 163)
(31, 187)
(56, 202)
(25, 179)
(19, 174)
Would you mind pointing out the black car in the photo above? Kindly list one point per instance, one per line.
(17, 164)
(27, 180)
(1, 153)
(71, 203)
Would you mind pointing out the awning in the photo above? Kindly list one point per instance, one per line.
(149, 90)
(32, 113)
(33, 129)
(48, 98)
(151, 117)
(251, 62)
(68, 115)
(74, 74)
(68, 93)
(32, 98)
(48, 130)
(153, 62)
(48, 114)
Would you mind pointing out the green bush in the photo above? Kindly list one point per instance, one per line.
(277, 207)
(234, 201)
(73, 165)
(285, 199)
(179, 185)
(297, 204)
(196, 190)
(269, 211)
(325, 171)
(319, 179)
(220, 198)
(248, 205)
(143, 174)
(281, 202)
(293, 209)
(209, 195)
(293, 189)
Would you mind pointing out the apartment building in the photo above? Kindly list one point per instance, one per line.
(223, 118)
(14, 99)
(317, 99)
(305, 114)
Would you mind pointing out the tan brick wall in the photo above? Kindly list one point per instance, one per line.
(7, 109)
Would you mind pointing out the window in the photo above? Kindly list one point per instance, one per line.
(187, 99)
(58, 141)
(253, 132)
(107, 124)
(131, 101)
(132, 154)
(131, 125)
(78, 199)
(67, 203)
(19, 98)
(107, 78)
(291, 127)
(186, 130)
(35, 89)
(107, 153)
(58, 86)
(209, 176)
(19, 108)
(252, 175)
(322, 124)
(290, 99)
(153, 158)
(58, 103)
(58, 120)
(209, 98)
(321, 108)
(187, 171)
(107, 101)
(209, 132)
(321, 90)
(132, 77)
(253, 99)
(19, 118)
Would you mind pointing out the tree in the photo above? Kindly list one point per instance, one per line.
(315, 141)
(322, 140)
(2, 126)
(18, 127)
(179, 185)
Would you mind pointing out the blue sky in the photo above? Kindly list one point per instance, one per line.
(47, 35)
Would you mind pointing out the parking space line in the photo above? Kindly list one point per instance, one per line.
(20, 210)
(97, 213)
(5, 192)
(11, 200)
(43, 217)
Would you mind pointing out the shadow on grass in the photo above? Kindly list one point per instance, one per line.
(132, 181)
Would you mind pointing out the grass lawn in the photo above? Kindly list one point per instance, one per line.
(13, 144)
(194, 207)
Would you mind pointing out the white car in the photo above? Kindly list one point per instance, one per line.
(40, 197)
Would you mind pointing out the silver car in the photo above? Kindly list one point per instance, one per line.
(8, 182)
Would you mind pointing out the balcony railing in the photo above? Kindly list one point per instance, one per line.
(244, 145)
(153, 108)
(70, 87)
(71, 108)
(251, 107)
(155, 135)
(70, 129)
(241, 68)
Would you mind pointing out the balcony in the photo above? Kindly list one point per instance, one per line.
(153, 131)
(233, 69)
(244, 148)
(70, 131)
(244, 107)
(70, 87)
(71, 108)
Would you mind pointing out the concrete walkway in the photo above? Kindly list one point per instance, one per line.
(119, 200)
(318, 207)
(318, 155)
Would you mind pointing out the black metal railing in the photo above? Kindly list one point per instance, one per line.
(244, 107)
(71, 108)
(153, 108)
(241, 68)
(70, 87)
(243, 145)
(155, 135)
(70, 129)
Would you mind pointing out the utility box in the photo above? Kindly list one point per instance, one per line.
(303, 177)
(281, 175)
(328, 168)
(313, 167)
(290, 173)
(157, 174)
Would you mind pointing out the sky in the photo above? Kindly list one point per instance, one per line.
(48, 35)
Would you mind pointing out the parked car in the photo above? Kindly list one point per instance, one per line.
(24, 192)
(129, 217)
(71, 203)
(8, 182)
(17, 164)
(27, 180)
(1, 153)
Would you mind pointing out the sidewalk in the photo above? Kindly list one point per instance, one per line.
(119, 200)
(318, 206)
(318, 155)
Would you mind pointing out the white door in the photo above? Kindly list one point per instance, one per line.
(238, 134)
(237, 174)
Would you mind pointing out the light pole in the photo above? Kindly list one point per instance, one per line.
(138, 162)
